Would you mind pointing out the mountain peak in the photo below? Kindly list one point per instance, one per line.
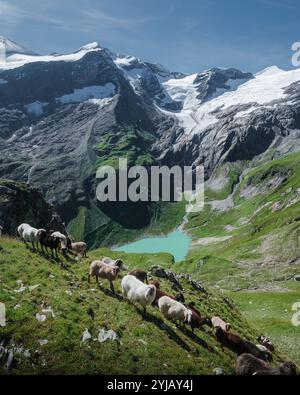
(13, 48)
(90, 46)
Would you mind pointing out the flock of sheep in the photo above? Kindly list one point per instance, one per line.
(252, 359)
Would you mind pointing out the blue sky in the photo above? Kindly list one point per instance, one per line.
(184, 35)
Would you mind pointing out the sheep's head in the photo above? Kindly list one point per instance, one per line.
(288, 369)
(208, 322)
(41, 234)
(156, 283)
(227, 327)
(188, 315)
(150, 293)
(120, 264)
(180, 298)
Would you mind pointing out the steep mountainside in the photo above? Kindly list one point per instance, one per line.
(61, 116)
(72, 307)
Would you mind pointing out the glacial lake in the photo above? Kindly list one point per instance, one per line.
(176, 243)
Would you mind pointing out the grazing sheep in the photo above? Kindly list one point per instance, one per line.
(102, 270)
(63, 241)
(50, 242)
(137, 291)
(31, 235)
(248, 365)
(237, 345)
(118, 262)
(140, 275)
(265, 341)
(174, 310)
(79, 248)
(197, 321)
(159, 294)
(1, 229)
(218, 322)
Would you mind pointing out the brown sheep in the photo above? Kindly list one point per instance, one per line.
(248, 365)
(197, 321)
(159, 294)
(102, 270)
(238, 345)
(140, 275)
(50, 242)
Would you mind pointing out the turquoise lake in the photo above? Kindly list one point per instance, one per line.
(176, 243)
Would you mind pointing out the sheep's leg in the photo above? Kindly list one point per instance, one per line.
(33, 245)
(89, 279)
(112, 287)
(97, 279)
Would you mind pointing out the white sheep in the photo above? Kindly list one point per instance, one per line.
(1, 229)
(174, 310)
(138, 292)
(63, 240)
(31, 235)
(218, 322)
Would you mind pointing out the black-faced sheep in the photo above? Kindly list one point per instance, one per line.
(248, 365)
(265, 341)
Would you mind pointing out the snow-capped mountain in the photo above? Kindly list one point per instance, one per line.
(12, 48)
(60, 115)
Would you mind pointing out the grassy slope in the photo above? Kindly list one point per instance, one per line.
(262, 254)
(146, 346)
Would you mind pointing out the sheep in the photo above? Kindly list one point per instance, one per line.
(118, 262)
(102, 270)
(159, 294)
(197, 321)
(266, 342)
(248, 365)
(237, 345)
(174, 310)
(51, 242)
(63, 240)
(79, 248)
(137, 291)
(140, 275)
(218, 322)
(1, 229)
(31, 235)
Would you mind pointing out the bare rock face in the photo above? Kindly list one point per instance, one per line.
(20, 203)
(54, 132)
